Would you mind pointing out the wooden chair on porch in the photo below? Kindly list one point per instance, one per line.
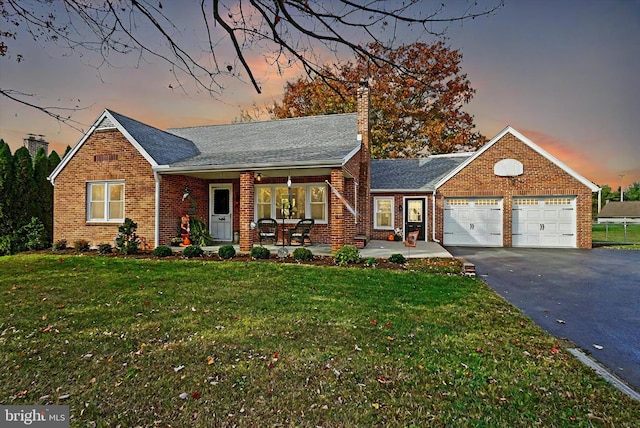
(302, 231)
(267, 230)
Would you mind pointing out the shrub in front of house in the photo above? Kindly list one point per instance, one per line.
(60, 245)
(260, 253)
(162, 251)
(346, 255)
(226, 252)
(302, 254)
(192, 251)
(397, 258)
(81, 245)
(127, 241)
(105, 248)
(199, 235)
(371, 261)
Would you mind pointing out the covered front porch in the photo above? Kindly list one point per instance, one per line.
(230, 203)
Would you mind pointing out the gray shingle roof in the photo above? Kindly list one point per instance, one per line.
(163, 147)
(412, 174)
(621, 209)
(319, 139)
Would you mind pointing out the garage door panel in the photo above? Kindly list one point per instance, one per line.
(473, 221)
(544, 221)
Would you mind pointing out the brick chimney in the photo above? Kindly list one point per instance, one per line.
(364, 177)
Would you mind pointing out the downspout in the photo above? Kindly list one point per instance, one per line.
(156, 232)
(433, 217)
(599, 199)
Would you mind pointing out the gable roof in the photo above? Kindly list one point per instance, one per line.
(528, 142)
(163, 147)
(418, 174)
(155, 145)
(313, 140)
(621, 209)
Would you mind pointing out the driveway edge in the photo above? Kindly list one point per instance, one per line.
(604, 373)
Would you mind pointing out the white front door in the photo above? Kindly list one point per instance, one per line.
(221, 209)
(544, 221)
(473, 221)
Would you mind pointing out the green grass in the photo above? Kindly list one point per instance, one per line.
(266, 344)
(614, 233)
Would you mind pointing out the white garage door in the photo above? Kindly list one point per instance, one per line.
(544, 221)
(473, 221)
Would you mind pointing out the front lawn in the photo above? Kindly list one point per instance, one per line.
(133, 342)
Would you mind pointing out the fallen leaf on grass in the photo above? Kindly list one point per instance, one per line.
(177, 369)
(555, 349)
(209, 360)
(196, 395)
(183, 396)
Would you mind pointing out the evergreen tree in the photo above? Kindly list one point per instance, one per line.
(43, 192)
(25, 205)
(7, 190)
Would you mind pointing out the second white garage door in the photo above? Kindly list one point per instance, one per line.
(544, 221)
(473, 221)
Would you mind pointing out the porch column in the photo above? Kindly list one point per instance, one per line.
(337, 211)
(247, 196)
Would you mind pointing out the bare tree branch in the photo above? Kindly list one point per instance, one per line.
(285, 33)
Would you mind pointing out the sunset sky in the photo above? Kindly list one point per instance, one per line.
(565, 73)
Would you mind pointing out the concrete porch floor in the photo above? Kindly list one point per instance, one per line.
(377, 249)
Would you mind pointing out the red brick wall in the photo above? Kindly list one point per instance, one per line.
(247, 198)
(540, 178)
(173, 207)
(105, 155)
(398, 213)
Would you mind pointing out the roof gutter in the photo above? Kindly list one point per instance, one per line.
(168, 169)
(428, 190)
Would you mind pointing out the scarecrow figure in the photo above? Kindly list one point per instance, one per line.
(185, 230)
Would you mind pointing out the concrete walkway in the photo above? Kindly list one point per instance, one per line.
(377, 249)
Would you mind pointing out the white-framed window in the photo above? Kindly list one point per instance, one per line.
(383, 212)
(105, 201)
(307, 201)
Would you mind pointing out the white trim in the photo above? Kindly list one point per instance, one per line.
(107, 199)
(212, 187)
(351, 154)
(528, 142)
(86, 136)
(375, 212)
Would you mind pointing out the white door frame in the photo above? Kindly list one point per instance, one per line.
(220, 222)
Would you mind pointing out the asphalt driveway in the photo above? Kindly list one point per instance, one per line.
(590, 297)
